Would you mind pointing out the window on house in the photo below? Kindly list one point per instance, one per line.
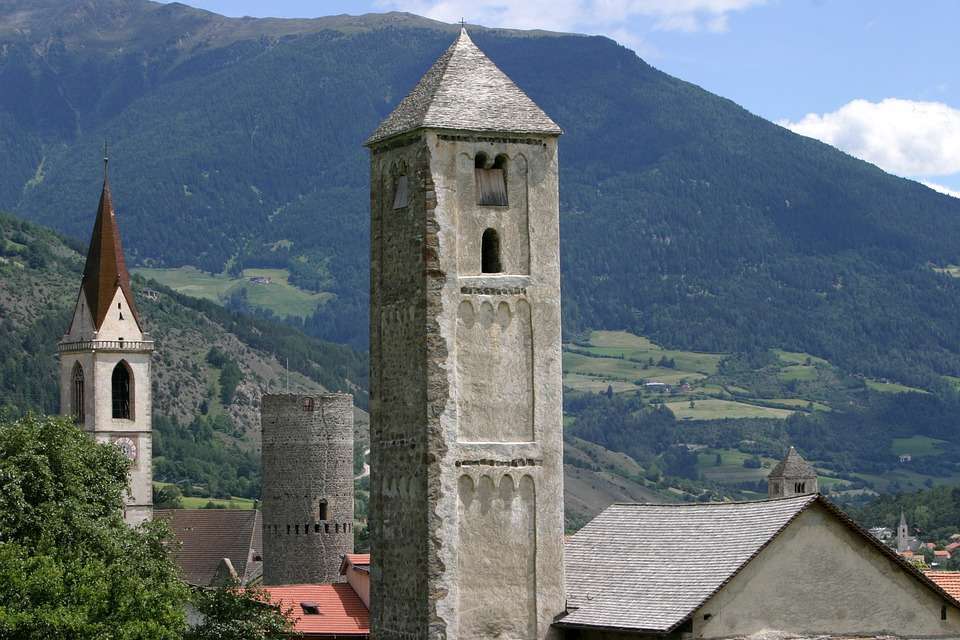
(78, 397)
(490, 252)
(120, 387)
(400, 192)
(308, 404)
(310, 608)
(491, 180)
(322, 510)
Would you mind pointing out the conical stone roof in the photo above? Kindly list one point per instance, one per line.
(105, 269)
(465, 90)
(793, 466)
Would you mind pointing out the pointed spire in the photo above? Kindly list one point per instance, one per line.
(105, 269)
(793, 466)
(464, 90)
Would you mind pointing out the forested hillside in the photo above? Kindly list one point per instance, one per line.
(684, 218)
(210, 369)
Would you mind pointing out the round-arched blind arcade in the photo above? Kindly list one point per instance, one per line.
(120, 387)
(77, 397)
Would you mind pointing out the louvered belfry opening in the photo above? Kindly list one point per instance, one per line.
(490, 252)
(120, 386)
(78, 394)
(491, 180)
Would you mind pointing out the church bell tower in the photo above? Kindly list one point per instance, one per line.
(105, 360)
(465, 360)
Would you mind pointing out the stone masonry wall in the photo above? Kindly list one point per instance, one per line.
(466, 425)
(307, 459)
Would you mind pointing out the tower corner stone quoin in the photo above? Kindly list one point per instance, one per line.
(465, 360)
(307, 496)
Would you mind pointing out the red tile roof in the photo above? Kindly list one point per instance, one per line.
(106, 270)
(949, 581)
(358, 558)
(342, 612)
(941, 553)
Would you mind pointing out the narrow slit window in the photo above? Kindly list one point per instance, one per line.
(490, 252)
(491, 180)
(323, 511)
(400, 192)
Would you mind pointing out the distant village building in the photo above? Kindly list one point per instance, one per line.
(906, 457)
(105, 360)
(793, 476)
(883, 534)
(307, 495)
(906, 543)
(261, 280)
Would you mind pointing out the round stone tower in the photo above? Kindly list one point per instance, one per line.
(307, 464)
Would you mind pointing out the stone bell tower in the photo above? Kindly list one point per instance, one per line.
(793, 476)
(105, 360)
(465, 361)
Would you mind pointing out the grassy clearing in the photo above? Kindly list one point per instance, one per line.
(891, 387)
(621, 360)
(233, 503)
(798, 372)
(195, 502)
(798, 357)
(713, 409)
(283, 298)
(629, 346)
(916, 446)
(800, 403)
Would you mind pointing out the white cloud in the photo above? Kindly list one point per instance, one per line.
(610, 17)
(905, 137)
(942, 189)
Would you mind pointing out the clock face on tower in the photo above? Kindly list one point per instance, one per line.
(128, 447)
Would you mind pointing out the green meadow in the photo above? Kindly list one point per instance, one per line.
(281, 297)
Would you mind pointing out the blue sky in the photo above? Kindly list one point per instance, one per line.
(876, 78)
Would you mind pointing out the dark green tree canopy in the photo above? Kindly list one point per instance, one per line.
(69, 566)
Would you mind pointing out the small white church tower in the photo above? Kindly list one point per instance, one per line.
(105, 360)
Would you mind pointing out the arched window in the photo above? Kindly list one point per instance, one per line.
(490, 252)
(120, 385)
(78, 397)
(491, 180)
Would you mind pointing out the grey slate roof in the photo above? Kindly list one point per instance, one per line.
(465, 90)
(793, 466)
(207, 536)
(649, 566)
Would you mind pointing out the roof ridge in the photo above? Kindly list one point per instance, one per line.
(806, 496)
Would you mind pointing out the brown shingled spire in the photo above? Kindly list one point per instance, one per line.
(105, 269)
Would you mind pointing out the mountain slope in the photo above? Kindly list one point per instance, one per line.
(205, 434)
(684, 217)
